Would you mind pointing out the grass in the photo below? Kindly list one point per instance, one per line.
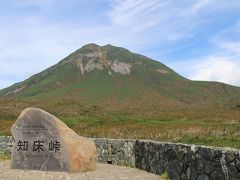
(205, 132)
(5, 156)
(71, 122)
(214, 127)
(164, 176)
(224, 141)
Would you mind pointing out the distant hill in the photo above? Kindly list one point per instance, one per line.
(109, 75)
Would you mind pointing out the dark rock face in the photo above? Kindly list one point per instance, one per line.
(43, 142)
(202, 177)
(187, 162)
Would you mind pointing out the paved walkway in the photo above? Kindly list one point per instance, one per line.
(103, 172)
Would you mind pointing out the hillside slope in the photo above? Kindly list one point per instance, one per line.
(97, 74)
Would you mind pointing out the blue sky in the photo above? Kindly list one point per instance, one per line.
(200, 39)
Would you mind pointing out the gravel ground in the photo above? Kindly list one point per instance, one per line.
(103, 172)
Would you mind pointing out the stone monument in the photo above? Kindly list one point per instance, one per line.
(43, 142)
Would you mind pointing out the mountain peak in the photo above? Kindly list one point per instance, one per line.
(92, 57)
(108, 46)
(91, 46)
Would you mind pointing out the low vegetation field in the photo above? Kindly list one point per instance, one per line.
(215, 127)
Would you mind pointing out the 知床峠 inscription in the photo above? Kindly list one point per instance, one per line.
(38, 146)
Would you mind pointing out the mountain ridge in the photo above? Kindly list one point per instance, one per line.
(95, 73)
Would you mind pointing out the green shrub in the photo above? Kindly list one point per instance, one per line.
(5, 156)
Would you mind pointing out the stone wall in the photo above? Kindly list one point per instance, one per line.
(115, 151)
(6, 144)
(187, 161)
(181, 161)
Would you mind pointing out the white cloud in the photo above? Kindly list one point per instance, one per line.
(228, 41)
(167, 20)
(224, 64)
(135, 12)
(200, 4)
(232, 47)
(217, 69)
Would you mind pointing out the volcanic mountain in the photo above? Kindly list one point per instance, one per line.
(108, 74)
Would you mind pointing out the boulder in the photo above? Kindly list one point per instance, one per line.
(43, 142)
